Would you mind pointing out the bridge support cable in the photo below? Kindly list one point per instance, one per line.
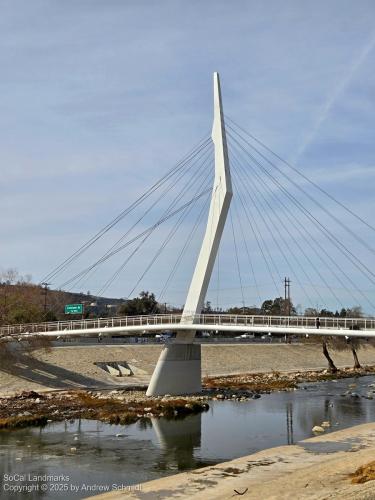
(294, 169)
(218, 280)
(260, 234)
(274, 229)
(258, 237)
(312, 219)
(196, 178)
(157, 185)
(258, 201)
(182, 252)
(237, 259)
(168, 189)
(322, 228)
(143, 233)
(203, 185)
(264, 215)
(250, 262)
(293, 220)
(171, 233)
(308, 195)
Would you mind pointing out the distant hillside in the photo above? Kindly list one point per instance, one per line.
(24, 302)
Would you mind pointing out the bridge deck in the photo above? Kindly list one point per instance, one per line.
(210, 322)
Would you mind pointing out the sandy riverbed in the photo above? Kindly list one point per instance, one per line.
(74, 367)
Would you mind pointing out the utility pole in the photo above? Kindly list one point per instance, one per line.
(287, 283)
(45, 296)
(287, 302)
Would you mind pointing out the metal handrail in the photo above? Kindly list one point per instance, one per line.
(367, 323)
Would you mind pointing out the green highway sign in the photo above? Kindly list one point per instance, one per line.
(74, 309)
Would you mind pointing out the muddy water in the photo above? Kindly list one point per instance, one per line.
(83, 458)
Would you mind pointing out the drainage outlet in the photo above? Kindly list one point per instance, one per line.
(115, 368)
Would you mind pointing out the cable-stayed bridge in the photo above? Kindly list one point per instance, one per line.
(295, 225)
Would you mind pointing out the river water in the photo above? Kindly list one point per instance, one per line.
(95, 457)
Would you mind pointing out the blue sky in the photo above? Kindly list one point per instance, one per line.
(99, 99)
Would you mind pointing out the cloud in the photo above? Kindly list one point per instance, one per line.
(338, 91)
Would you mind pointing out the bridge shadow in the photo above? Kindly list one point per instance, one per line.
(26, 367)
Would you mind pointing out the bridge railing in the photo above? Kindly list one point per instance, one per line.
(211, 320)
(287, 321)
(84, 324)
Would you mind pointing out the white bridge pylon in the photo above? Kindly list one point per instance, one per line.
(178, 370)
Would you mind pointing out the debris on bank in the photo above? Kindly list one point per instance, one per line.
(126, 406)
(114, 407)
(279, 381)
(364, 473)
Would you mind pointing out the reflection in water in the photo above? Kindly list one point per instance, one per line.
(178, 439)
(108, 454)
(289, 422)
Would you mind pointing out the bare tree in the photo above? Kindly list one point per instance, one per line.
(354, 344)
(345, 343)
(331, 365)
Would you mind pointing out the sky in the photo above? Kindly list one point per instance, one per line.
(99, 99)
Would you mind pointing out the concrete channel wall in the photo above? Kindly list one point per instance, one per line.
(77, 366)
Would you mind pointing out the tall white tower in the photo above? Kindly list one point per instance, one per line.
(178, 370)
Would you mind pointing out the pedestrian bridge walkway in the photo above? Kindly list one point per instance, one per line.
(139, 325)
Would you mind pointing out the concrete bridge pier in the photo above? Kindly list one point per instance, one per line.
(178, 370)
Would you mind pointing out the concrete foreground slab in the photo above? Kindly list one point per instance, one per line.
(317, 468)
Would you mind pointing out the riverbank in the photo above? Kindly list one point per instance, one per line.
(317, 468)
(128, 405)
(74, 367)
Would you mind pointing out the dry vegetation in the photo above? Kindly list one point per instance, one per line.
(364, 473)
(119, 407)
(277, 381)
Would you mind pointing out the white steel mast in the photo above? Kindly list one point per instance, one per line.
(178, 370)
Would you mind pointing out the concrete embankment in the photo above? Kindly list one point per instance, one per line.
(317, 468)
(76, 366)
